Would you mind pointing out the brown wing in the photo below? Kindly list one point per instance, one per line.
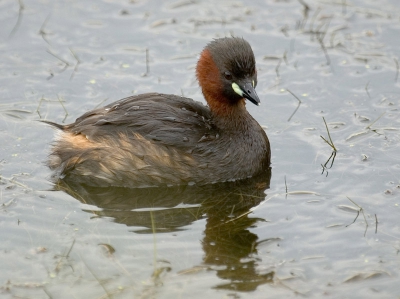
(165, 119)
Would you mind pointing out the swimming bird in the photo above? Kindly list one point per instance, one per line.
(156, 139)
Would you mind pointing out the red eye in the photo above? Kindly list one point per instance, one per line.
(228, 76)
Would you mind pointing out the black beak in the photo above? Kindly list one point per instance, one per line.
(250, 93)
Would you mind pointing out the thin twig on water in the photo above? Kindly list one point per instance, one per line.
(330, 142)
(285, 184)
(366, 89)
(40, 104)
(76, 65)
(358, 213)
(61, 59)
(64, 256)
(285, 57)
(20, 11)
(66, 112)
(41, 30)
(311, 26)
(306, 10)
(98, 280)
(286, 194)
(298, 106)
(332, 145)
(370, 125)
(325, 167)
(277, 68)
(320, 39)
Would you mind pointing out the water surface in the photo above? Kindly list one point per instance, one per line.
(272, 237)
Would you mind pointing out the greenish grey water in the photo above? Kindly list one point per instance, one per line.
(224, 241)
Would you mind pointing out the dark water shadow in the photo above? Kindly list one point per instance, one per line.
(229, 245)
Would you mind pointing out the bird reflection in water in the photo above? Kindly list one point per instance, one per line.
(228, 242)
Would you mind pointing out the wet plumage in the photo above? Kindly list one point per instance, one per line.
(157, 139)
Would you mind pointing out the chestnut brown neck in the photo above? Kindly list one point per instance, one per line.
(222, 107)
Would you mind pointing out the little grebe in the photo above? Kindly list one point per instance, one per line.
(158, 139)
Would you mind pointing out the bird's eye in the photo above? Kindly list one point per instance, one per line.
(228, 76)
